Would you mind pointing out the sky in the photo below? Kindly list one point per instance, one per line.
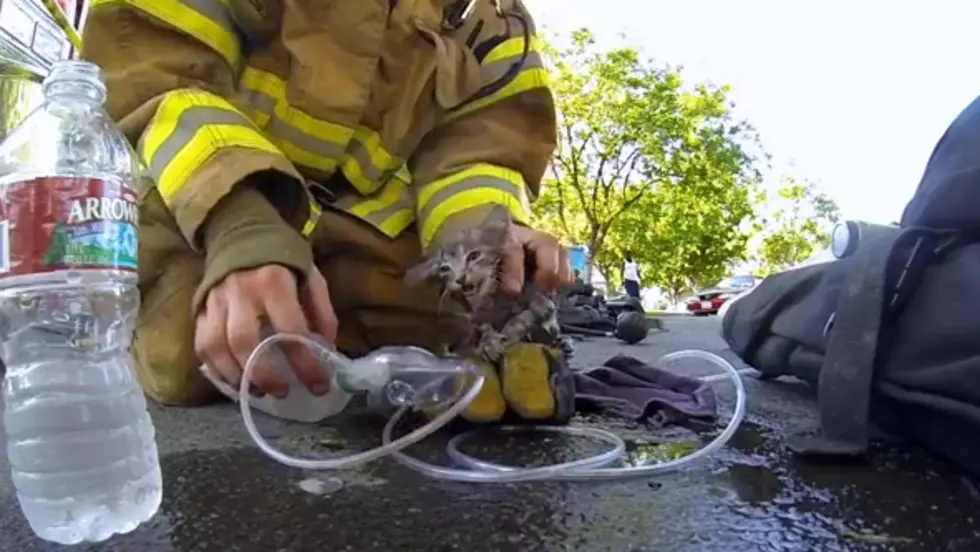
(853, 94)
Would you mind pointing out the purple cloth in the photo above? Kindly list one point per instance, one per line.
(625, 386)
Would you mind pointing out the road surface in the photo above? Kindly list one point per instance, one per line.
(221, 494)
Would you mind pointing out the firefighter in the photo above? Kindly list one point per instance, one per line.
(303, 155)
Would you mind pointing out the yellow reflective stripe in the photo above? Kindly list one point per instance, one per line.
(314, 143)
(526, 80)
(390, 210)
(261, 91)
(397, 222)
(471, 187)
(501, 60)
(404, 174)
(207, 21)
(498, 63)
(366, 163)
(512, 48)
(314, 218)
(306, 140)
(187, 129)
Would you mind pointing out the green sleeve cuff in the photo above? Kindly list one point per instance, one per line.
(246, 231)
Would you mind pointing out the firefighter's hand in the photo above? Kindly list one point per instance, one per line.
(552, 272)
(236, 311)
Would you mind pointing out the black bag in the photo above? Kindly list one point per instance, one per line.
(890, 336)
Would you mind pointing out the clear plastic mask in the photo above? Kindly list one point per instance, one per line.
(388, 377)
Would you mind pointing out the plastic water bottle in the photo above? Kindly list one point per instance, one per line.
(79, 438)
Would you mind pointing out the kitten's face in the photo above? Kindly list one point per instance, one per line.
(468, 269)
(470, 266)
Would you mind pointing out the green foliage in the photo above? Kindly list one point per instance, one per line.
(648, 165)
(692, 238)
(799, 226)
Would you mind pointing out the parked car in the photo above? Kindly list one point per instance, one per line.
(710, 300)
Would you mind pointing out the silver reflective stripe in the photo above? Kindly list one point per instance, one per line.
(373, 173)
(346, 201)
(277, 128)
(403, 203)
(215, 11)
(484, 182)
(378, 218)
(191, 120)
(370, 176)
(391, 218)
(260, 101)
(497, 70)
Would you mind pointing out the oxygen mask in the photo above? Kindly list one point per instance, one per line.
(389, 377)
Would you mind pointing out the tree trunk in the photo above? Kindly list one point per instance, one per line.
(606, 274)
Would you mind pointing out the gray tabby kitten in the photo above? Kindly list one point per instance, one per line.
(469, 272)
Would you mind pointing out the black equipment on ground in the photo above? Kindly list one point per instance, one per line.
(888, 334)
(584, 311)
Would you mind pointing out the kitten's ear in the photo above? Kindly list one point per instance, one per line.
(497, 224)
(420, 272)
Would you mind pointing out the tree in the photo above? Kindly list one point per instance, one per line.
(689, 243)
(647, 165)
(800, 224)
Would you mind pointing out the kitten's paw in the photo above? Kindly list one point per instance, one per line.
(492, 344)
(566, 346)
(552, 328)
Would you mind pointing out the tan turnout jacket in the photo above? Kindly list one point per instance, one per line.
(429, 109)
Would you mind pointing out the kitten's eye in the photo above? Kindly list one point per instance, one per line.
(473, 256)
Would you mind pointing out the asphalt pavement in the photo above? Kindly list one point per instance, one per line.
(222, 494)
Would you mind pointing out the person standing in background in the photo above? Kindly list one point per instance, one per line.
(631, 276)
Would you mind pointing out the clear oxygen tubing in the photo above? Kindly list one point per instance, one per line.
(597, 467)
(480, 471)
(352, 460)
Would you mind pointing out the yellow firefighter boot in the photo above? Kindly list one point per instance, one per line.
(537, 383)
(489, 405)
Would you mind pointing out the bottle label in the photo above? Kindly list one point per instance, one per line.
(62, 223)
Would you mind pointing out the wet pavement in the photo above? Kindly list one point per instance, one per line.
(222, 494)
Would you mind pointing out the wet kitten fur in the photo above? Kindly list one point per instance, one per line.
(468, 270)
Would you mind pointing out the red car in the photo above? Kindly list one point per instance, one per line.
(708, 301)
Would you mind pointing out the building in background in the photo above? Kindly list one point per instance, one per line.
(28, 35)
(30, 42)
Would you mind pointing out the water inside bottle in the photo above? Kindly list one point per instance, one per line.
(79, 438)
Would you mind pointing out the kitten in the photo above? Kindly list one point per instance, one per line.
(469, 272)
